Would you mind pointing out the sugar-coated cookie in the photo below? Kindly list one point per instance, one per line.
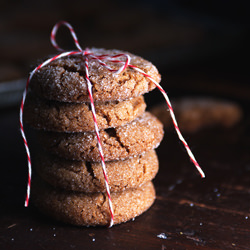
(64, 79)
(92, 209)
(88, 177)
(142, 134)
(77, 117)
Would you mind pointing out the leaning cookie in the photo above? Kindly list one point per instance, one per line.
(142, 134)
(92, 209)
(88, 177)
(194, 114)
(64, 79)
(77, 117)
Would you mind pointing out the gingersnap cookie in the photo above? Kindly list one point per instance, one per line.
(77, 117)
(64, 79)
(92, 209)
(194, 114)
(134, 138)
(88, 177)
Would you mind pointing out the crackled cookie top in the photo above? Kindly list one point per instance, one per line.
(88, 177)
(64, 79)
(134, 138)
(77, 117)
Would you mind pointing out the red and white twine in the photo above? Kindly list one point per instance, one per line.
(86, 55)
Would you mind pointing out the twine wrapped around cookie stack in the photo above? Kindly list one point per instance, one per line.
(88, 109)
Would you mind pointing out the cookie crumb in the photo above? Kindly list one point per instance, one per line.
(13, 225)
(179, 181)
(171, 188)
(162, 236)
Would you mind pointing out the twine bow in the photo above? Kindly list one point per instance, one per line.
(121, 59)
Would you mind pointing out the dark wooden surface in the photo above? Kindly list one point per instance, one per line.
(198, 53)
(193, 213)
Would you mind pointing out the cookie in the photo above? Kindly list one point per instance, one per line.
(92, 209)
(64, 79)
(142, 134)
(77, 117)
(88, 177)
(193, 114)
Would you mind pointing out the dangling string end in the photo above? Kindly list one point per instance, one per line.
(200, 171)
(192, 158)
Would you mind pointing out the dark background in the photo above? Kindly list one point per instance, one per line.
(200, 49)
(203, 42)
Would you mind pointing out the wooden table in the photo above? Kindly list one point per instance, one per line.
(189, 212)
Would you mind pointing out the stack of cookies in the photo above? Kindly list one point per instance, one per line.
(71, 186)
